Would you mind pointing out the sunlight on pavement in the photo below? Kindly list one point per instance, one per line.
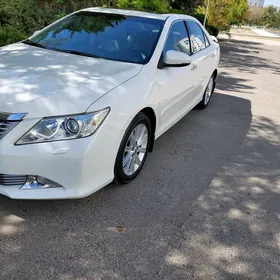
(11, 225)
(177, 258)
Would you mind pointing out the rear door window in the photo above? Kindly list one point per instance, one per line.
(197, 37)
(178, 39)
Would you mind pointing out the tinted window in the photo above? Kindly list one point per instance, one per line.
(178, 39)
(206, 40)
(109, 36)
(196, 36)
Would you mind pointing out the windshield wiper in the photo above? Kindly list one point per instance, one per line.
(77, 53)
(31, 43)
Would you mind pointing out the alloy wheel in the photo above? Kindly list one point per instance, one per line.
(135, 149)
(209, 91)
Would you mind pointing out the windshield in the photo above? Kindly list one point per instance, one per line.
(108, 36)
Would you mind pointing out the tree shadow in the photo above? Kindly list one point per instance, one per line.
(248, 57)
(233, 231)
(234, 84)
(59, 74)
(125, 232)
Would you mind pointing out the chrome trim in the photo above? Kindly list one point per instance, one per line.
(12, 180)
(8, 121)
(25, 182)
(6, 127)
(33, 184)
(12, 116)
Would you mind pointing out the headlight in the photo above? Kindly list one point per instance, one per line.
(64, 128)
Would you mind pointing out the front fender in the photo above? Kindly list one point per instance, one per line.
(126, 101)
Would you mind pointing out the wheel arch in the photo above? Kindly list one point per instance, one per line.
(215, 73)
(150, 113)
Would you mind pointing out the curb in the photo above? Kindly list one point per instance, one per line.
(249, 36)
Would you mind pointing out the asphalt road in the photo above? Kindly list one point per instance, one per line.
(206, 206)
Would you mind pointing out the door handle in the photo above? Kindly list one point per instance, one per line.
(194, 66)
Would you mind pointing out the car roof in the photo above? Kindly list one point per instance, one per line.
(137, 13)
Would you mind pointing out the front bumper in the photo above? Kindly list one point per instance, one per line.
(80, 166)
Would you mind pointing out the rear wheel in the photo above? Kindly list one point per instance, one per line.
(208, 93)
(133, 150)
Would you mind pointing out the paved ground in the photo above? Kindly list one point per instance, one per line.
(263, 32)
(270, 41)
(207, 205)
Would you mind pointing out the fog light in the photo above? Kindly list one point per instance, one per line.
(39, 182)
(42, 180)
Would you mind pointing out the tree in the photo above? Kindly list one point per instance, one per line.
(185, 6)
(256, 16)
(239, 11)
(223, 13)
(150, 5)
(268, 17)
(272, 17)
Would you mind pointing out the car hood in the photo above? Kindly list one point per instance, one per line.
(43, 82)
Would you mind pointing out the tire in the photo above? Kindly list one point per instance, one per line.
(133, 150)
(208, 93)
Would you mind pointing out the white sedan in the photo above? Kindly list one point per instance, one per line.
(83, 100)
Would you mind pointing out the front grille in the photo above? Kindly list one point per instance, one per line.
(6, 127)
(12, 180)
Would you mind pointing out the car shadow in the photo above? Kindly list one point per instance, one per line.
(124, 232)
(232, 231)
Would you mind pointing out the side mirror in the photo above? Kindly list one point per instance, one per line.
(174, 59)
(215, 39)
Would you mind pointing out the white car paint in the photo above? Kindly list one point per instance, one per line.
(50, 82)
(61, 84)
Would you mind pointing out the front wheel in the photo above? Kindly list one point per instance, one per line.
(133, 150)
(208, 93)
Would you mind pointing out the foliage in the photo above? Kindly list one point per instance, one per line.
(239, 11)
(161, 6)
(199, 15)
(175, 11)
(212, 30)
(256, 16)
(272, 17)
(185, 6)
(9, 34)
(20, 18)
(150, 5)
(267, 17)
(80, 23)
(26, 16)
(223, 13)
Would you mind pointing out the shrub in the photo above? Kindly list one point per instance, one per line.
(212, 30)
(9, 35)
(199, 15)
(160, 6)
(175, 11)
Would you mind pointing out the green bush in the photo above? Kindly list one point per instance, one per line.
(160, 6)
(175, 11)
(212, 30)
(20, 18)
(9, 35)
